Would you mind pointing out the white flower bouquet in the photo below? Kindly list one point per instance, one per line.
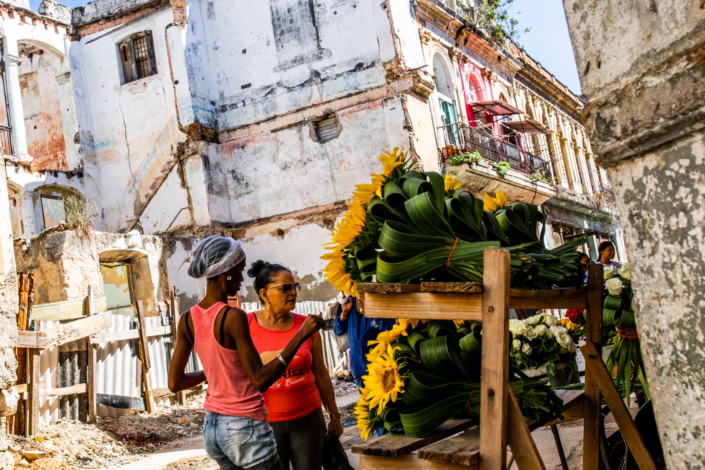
(541, 340)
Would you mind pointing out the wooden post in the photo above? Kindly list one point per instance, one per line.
(520, 441)
(597, 369)
(32, 427)
(495, 360)
(144, 357)
(91, 382)
(593, 335)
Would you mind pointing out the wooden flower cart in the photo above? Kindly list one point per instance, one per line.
(485, 447)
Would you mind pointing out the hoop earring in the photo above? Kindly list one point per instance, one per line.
(229, 278)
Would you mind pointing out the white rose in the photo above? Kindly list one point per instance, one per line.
(533, 320)
(516, 344)
(626, 266)
(531, 333)
(608, 273)
(614, 286)
(625, 273)
(526, 349)
(563, 338)
(571, 347)
(550, 320)
(519, 329)
(541, 330)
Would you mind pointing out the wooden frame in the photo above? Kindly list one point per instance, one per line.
(484, 447)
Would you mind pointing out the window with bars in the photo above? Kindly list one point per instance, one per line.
(137, 57)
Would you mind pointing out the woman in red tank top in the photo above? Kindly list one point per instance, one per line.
(293, 401)
(237, 434)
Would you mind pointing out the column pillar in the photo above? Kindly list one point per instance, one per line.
(28, 216)
(14, 96)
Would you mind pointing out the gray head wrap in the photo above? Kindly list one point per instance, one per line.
(214, 256)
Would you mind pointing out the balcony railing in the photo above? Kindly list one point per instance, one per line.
(6, 140)
(460, 137)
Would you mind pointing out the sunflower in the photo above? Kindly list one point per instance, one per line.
(497, 202)
(459, 323)
(383, 380)
(404, 325)
(451, 184)
(353, 222)
(391, 160)
(365, 417)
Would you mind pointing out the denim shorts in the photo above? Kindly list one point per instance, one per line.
(248, 443)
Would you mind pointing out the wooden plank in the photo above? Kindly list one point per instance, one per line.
(91, 382)
(459, 287)
(591, 406)
(463, 449)
(573, 297)
(524, 450)
(599, 372)
(424, 305)
(65, 333)
(379, 288)
(32, 427)
(165, 392)
(60, 392)
(495, 360)
(404, 462)
(390, 445)
(144, 358)
(67, 310)
(129, 334)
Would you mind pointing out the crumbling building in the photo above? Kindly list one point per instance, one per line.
(185, 118)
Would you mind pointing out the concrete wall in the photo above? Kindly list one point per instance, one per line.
(641, 66)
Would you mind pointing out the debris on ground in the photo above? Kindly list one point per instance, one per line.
(195, 463)
(71, 445)
(343, 384)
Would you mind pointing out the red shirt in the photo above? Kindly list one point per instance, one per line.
(295, 394)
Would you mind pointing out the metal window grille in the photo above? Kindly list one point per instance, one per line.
(137, 57)
(327, 129)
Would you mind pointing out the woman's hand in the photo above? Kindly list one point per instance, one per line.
(312, 324)
(346, 308)
(335, 428)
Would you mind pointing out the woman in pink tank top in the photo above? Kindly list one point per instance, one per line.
(237, 435)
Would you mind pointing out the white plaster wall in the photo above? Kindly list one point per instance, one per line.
(252, 80)
(406, 30)
(271, 173)
(133, 127)
(168, 210)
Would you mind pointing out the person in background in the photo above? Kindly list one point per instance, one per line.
(573, 314)
(605, 255)
(360, 330)
(237, 435)
(293, 401)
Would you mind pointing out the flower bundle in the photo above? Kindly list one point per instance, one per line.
(422, 373)
(541, 340)
(618, 320)
(407, 226)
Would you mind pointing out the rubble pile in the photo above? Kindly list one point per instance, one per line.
(71, 445)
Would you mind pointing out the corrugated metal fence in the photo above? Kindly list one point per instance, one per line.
(118, 370)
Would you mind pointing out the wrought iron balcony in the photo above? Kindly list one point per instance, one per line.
(6, 140)
(459, 138)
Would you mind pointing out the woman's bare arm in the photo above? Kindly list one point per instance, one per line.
(261, 375)
(178, 378)
(325, 387)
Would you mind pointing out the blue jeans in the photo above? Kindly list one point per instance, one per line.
(240, 443)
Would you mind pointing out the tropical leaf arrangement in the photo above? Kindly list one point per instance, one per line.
(422, 373)
(619, 327)
(407, 226)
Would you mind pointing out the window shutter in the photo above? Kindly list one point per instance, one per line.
(133, 62)
(150, 53)
(327, 129)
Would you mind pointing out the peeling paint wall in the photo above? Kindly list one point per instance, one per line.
(270, 173)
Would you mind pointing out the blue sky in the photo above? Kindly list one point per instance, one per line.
(548, 41)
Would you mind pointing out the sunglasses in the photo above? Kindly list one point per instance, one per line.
(286, 288)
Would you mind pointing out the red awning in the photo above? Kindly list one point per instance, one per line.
(495, 107)
(528, 126)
